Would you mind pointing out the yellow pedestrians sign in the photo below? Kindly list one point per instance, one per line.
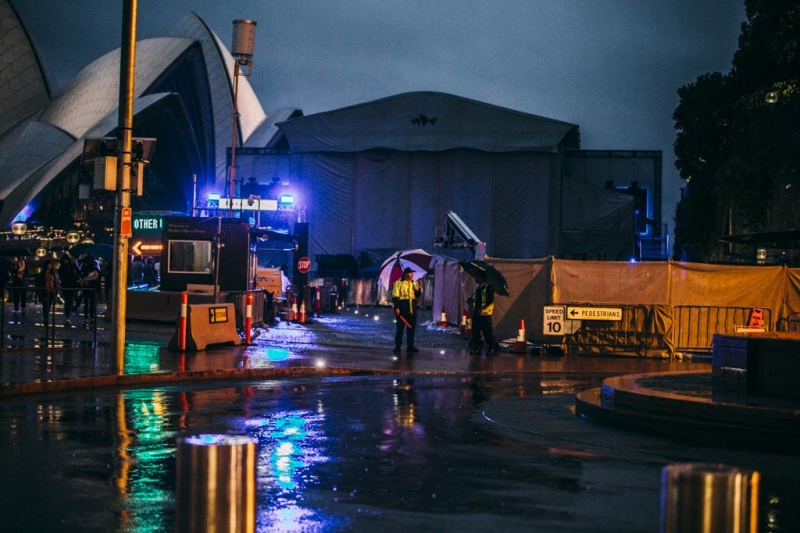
(594, 313)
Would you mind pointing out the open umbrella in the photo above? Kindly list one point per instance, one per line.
(106, 251)
(493, 276)
(391, 270)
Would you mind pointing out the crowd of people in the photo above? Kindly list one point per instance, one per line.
(76, 281)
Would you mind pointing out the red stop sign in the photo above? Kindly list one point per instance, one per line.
(304, 265)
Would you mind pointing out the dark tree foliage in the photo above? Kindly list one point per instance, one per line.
(734, 145)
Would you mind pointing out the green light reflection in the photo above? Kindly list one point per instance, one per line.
(142, 358)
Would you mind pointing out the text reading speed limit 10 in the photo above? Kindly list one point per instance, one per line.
(554, 320)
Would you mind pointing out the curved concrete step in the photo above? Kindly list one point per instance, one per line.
(696, 415)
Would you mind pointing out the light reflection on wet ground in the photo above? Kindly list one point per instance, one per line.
(351, 339)
(465, 453)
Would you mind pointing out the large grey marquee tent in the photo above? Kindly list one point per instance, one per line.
(384, 174)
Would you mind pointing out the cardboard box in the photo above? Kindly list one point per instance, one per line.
(270, 279)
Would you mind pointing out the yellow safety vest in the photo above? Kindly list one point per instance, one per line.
(481, 298)
(404, 290)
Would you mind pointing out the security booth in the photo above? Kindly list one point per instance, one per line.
(191, 245)
(209, 257)
(214, 259)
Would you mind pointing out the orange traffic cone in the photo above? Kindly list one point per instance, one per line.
(302, 317)
(292, 312)
(443, 321)
(462, 327)
(521, 346)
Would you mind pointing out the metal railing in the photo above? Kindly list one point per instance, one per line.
(641, 333)
(696, 325)
(46, 326)
(791, 322)
(635, 334)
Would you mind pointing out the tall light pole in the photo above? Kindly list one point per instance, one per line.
(244, 34)
(125, 145)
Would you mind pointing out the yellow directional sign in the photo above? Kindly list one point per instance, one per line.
(140, 248)
(594, 313)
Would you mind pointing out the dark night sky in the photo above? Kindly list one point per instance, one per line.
(611, 66)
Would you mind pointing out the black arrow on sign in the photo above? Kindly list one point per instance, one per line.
(573, 312)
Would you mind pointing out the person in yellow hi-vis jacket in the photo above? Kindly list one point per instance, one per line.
(404, 297)
(482, 318)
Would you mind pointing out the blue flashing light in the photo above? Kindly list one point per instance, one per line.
(633, 259)
(286, 199)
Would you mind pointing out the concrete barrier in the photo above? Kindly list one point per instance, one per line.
(208, 324)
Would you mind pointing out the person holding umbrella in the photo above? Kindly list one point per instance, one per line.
(404, 297)
(483, 302)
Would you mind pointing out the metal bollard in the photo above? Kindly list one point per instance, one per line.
(216, 484)
(709, 498)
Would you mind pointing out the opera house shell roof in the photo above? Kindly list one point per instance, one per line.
(184, 99)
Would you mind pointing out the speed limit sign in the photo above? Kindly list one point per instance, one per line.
(554, 320)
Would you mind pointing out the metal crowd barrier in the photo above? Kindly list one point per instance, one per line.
(792, 322)
(18, 330)
(239, 301)
(637, 333)
(705, 321)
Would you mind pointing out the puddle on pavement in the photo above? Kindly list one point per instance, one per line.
(336, 454)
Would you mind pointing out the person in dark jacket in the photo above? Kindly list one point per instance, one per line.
(483, 303)
(90, 282)
(19, 284)
(46, 290)
(150, 274)
(68, 275)
(137, 271)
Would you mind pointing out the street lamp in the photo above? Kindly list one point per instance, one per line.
(244, 32)
(19, 228)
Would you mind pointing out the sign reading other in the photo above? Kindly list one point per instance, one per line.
(143, 223)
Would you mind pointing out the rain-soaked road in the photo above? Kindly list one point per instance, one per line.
(482, 452)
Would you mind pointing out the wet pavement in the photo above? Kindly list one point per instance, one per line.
(451, 442)
(356, 338)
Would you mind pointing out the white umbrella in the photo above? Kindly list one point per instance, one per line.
(418, 260)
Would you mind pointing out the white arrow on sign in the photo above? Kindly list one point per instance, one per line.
(594, 313)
